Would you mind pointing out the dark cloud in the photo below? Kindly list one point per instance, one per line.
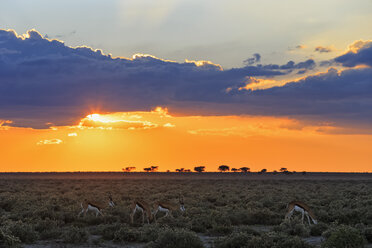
(291, 65)
(256, 58)
(298, 47)
(360, 54)
(44, 81)
(322, 49)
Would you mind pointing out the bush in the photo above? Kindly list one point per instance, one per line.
(293, 227)
(368, 234)
(126, 234)
(107, 231)
(8, 240)
(176, 238)
(201, 224)
(318, 229)
(24, 231)
(235, 240)
(343, 237)
(247, 230)
(222, 230)
(149, 233)
(277, 240)
(281, 240)
(49, 229)
(75, 235)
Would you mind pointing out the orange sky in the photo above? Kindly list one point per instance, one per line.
(141, 139)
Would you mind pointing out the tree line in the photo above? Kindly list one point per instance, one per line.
(221, 168)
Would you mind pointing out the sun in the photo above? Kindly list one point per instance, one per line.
(97, 118)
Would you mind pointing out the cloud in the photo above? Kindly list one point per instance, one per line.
(44, 81)
(49, 142)
(337, 95)
(322, 49)
(254, 59)
(300, 47)
(360, 53)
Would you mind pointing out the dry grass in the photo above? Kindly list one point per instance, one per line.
(46, 207)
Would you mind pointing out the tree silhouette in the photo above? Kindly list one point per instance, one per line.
(199, 168)
(283, 169)
(263, 171)
(223, 168)
(245, 169)
(180, 170)
(187, 170)
(154, 168)
(128, 169)
(234, 169)
(148, 169)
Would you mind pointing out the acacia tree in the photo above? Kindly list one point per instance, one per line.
(223, 168)
(234, 169)
(244, 169)
(283, 169)
(148, 169)
(128, 169)
(154, 168)
(199, 169)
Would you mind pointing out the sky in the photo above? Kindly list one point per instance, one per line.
(101, 85)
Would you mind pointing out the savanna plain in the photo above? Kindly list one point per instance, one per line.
(223, 210)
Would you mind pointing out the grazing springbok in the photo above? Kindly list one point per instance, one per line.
(144, 208)
(302, 208)
(168, 207)
(87, 205)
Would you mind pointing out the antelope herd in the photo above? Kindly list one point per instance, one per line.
(168, 207)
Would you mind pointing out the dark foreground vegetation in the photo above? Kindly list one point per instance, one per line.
(221, 211)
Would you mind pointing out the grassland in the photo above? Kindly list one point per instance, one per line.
(222, 210)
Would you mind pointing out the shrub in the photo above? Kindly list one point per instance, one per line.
(368, 234)
(149, 233)
(176, 238)
(343, 237)
(247, 230)
(263, 217)
(220, 230)
(293, 227)
(201, 223)
(318, 229)
(126, 234)
(24, 231)
(107, 231)
(235, 240)
(75, 235)
(49, 229)
(277, 240)
(8, 240)
(281, 240)
(174, 222)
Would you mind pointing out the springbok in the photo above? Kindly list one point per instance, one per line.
(144, 208)
(168, 207)
(87, 205)
(302, 208)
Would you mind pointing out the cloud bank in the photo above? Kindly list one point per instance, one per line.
(44, 82)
